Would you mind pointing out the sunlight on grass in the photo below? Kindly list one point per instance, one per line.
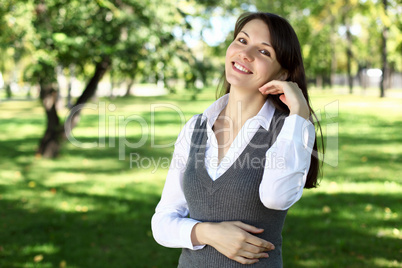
(40, 248)
(381, 262)
(89, 208)
(350, 187)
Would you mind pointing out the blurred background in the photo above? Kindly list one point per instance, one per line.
(93, 94)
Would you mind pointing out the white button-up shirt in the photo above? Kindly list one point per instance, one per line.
(286, 167)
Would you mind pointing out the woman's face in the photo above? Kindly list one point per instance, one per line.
(250, 59)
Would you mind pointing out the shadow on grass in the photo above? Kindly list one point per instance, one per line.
(324, 230)
(116, 234)
(12, 122)
(368, 149)
(120, 152)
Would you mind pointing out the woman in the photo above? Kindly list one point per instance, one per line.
(239, 166)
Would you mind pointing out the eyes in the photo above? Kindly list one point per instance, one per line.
(242, 40)
(265, 52)
(262, 51)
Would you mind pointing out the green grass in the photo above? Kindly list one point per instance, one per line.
(87, 208)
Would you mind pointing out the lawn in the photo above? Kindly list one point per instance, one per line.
(91, 207)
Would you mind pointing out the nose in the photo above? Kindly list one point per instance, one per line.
(246, 54)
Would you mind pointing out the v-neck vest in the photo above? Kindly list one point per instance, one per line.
(234, 196)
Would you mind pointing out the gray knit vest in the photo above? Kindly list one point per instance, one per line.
(232, 197)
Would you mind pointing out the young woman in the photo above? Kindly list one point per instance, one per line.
(239, 166)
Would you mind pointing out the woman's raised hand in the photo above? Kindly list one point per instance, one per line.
(233, 239)
(292, 96)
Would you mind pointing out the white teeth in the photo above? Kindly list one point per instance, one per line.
(239, 67)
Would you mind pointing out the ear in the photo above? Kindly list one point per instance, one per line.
(283, 75)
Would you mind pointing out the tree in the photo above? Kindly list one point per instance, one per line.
(15, 32)
(91, 33)
(384, 53)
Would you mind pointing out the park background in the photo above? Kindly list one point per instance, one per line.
(93, 94)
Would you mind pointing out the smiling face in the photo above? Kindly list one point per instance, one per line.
(250, 59)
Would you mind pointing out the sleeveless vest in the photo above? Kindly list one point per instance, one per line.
(234, 196)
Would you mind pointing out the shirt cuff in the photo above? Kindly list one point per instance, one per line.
(185, 234)
(297, 129)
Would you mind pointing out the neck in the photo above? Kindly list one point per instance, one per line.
(242, 106)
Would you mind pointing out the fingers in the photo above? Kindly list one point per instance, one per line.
(261, 243)
(250, 255)
(243, 260)
(248, 228)
(273, 87)
(274, 91)
(292, 96)
(252, 249)
(283, 99)
(278, 87)
(247, 256)
(251, 239)
(235, 240)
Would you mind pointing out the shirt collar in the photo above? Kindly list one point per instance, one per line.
(263, 117)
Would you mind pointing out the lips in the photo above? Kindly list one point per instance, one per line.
(241, 68)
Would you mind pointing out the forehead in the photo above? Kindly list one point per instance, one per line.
(258, 30)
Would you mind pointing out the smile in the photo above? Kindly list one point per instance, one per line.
(241, 68)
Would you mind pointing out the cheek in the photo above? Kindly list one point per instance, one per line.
(267, 71)
(229, 52)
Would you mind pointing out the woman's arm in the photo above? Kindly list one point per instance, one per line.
(170, 225)
(288, 160)
(287, 164)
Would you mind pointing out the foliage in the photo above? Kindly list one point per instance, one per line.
(81, 32)
(145, 38)
(137, 35)
(15, 36)
(320, 26)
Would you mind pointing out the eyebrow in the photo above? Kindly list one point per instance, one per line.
(264, 43)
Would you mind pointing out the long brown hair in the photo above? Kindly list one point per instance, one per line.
(288, 54)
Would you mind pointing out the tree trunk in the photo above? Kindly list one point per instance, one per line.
(112, 83)
(349, 57)
(129, 86)
(360, 76)
(29, 94)
(9, 93)
(75, 112)
(333, 53)
(390, 72)
(49, 145)
(333, 65)
(384, 36)
(56, 133)
(364, 79)
(318, 81)
(70, 85)
(69, 105)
